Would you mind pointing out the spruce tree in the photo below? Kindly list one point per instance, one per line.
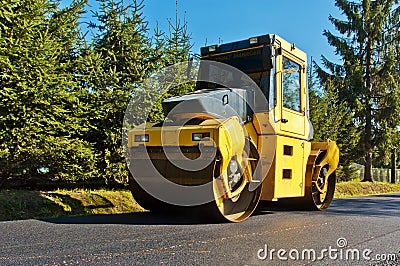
(176, 46)
(121, 56)
(118, 58)
(366, 80)
(41, 117)
(332, 119)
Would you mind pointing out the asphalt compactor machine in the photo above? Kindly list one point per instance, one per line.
(256, 146)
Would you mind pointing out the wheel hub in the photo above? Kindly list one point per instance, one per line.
(320, 184)
(234, 177)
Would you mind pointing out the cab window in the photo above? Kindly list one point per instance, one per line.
(291, 89)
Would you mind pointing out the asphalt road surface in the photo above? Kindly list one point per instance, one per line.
(367, 226)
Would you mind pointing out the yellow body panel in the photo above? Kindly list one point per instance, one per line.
(174, 135)
(286, 177)
(332, 154)
(225, 134)
(290, 167)
(251, 133)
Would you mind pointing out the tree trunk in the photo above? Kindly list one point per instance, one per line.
(393, 172)
(368, 149)
(368, 116)
(368, 167)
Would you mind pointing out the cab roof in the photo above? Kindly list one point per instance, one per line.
(267, 39)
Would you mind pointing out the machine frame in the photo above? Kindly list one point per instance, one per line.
(297, 168)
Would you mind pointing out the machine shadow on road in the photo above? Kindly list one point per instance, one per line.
(142, 218)
(137, 218)
(376, 206)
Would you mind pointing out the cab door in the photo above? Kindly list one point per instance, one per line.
(292, 88)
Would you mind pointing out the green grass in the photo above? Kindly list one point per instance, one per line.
(23, 204)
(357, 188)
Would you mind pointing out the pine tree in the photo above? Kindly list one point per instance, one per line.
(176, 49)
(119, 57)
(332, 119)
(367, 80)
(41, 117)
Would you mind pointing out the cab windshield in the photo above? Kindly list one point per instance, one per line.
(249, 61)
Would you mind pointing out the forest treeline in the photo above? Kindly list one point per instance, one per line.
(65, 84)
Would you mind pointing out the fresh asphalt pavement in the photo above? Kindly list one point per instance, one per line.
(367, 226)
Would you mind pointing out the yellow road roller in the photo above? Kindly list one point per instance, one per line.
(241, 137)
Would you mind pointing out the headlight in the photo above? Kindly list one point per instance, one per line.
(200, 136)
(233, 166)
(142, 138)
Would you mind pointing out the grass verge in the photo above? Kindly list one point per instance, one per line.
(357, 188)
(23, 204)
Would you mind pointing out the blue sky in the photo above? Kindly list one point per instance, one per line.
(301, 22)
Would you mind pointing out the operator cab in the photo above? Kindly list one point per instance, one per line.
(278, 68)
